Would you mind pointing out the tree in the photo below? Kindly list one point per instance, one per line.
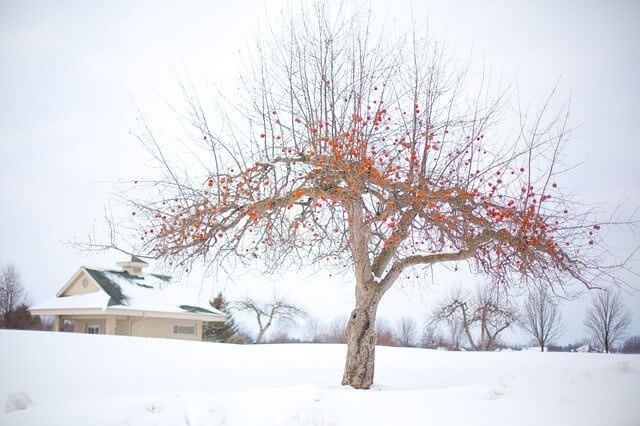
(406, 332)
(277, 310)
(282, 335)
(481, 317)
(541, 318)
(432, 338)
(349, 150)
(21, 319)
(607, 319)
(315, 331)
(337, 331)
(631, 345)
(224, 332)
(384, 333)
(12, 296)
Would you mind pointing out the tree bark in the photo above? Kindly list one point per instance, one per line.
(361, 337)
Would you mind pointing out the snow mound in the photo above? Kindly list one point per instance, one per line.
(16, 401)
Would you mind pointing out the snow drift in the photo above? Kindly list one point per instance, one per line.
(78, 379)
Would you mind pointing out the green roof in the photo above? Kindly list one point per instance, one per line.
(138, 260)
(147, 292)
(112, 289)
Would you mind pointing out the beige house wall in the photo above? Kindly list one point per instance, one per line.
(78, 286)
(137, 326)
(123, 327)
(80, 325)
(163, 327)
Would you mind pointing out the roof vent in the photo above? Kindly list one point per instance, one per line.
(133, 266)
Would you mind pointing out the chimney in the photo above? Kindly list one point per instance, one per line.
(133, 266)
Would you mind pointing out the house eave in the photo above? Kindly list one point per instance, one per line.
(130, 312)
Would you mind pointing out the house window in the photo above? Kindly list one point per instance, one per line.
(93, 329)
(184, 329)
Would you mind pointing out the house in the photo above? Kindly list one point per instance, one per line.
(128, 302)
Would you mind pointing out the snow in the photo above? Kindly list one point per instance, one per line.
(147, 293)
(96, 300)
(533, 349)
(143, 381)
(162, 297)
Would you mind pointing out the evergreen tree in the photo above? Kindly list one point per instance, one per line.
(224, 332)
(21, 319)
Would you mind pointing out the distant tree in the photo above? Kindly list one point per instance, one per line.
(224, 332)
(456, 338)
(315, 331)
(21, 319)
(607, 319)
(384, 333)
(406, 332)
(266, 314)
(541, 318)
(14, 301)
(244, 336)
(337, 331)
(431, 337)
(631, 345)
(481, 317)
(282, 335)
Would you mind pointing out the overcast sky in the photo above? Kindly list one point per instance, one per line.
(68, 71)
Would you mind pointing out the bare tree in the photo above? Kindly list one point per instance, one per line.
(607, 319)
(12, 293)
(266, 314)
(481, 317)
(337, 331)
(406, 332)
(384, 333)
(456, 338)
(541, 318)
(282, 335)
(315, 331)
(433, 338)
(631, 345)
(376, 153)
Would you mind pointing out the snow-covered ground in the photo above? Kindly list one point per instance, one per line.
(80, 379)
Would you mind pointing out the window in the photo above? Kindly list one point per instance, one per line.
(93, 329)
(184, 329)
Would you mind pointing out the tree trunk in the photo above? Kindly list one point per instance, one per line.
(260, 335)
(361, 337)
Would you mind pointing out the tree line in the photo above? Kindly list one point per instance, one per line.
(462, 320)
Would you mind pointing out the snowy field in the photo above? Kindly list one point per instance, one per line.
(80, 379)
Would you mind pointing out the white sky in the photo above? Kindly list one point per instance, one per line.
(68, 70)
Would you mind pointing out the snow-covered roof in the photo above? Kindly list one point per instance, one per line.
(123, 291)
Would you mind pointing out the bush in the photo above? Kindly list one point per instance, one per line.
(631, 345)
